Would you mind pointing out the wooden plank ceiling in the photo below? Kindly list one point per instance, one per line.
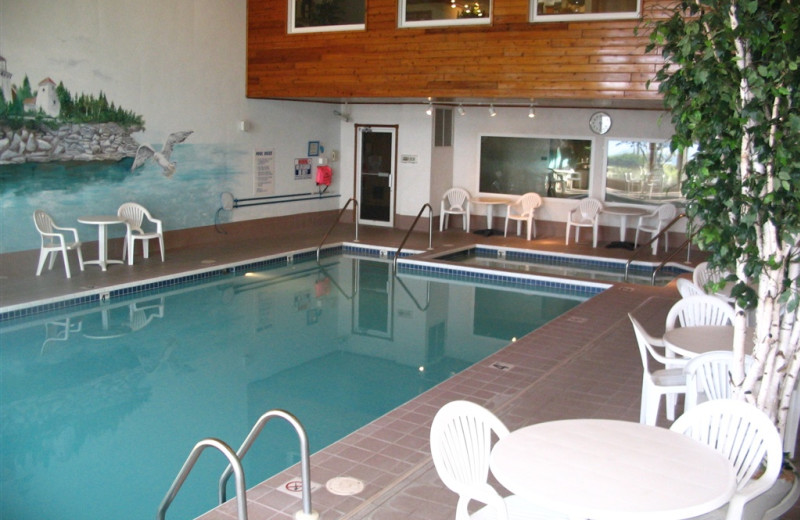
(511, 59)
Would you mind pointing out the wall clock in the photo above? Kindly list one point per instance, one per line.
(600, 123)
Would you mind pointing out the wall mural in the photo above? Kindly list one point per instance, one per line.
(75, 154)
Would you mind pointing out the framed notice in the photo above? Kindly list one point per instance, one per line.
(302, 169)
(264, 168)
(313, 148)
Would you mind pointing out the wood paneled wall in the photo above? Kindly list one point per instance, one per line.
(512, 58)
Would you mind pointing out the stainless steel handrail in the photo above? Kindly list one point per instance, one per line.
(643, 247)
(346, 204)
(235, 466)
(307, 513)
(413, 225)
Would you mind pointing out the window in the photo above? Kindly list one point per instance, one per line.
(551, 167)
(443, 127)
(326, 15)
(570, 10)
(644, 172)
(428, 13)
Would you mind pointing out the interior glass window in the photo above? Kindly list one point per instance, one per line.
(644, 172)
(551, 167)
(565, 10)
(421, 13)
(326, 15)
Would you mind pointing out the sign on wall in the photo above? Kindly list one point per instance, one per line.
(264, 167)
(302, 169)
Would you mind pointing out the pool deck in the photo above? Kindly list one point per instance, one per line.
(582, 364)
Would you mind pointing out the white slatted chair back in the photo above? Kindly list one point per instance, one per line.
(694, 311)
(743, 434)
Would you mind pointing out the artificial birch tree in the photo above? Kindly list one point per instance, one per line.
(730, 80)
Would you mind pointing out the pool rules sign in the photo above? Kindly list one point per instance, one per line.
(302, 169)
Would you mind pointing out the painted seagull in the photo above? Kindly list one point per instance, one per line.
(145, 152)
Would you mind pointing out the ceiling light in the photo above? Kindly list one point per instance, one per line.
(461, 110)
(531, 112)
(429, 111)
(492, 113)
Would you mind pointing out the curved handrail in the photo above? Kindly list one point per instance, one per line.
(346, 204)
(235, 465)
(643, 247)
(413, 224)
(307, 512)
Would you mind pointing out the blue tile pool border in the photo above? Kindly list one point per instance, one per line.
(424, 268)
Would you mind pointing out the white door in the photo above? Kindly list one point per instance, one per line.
(376, 155)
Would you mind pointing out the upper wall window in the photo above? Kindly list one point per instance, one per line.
(429, 13)
(571, 10)
(326, 15)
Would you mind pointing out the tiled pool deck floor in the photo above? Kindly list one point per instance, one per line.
(582, 364)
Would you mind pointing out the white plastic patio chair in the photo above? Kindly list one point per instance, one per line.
(461, 441)
(708, 377)
(668, 382)
(703, 275)
(694, 311)
(654, 222)
(585, 214)
(455, 201)
(524, 210)
(135, 215)
(747, 437)
(54, 242)
(688, 288)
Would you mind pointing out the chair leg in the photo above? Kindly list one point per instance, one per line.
(80, 257)
(566, 241)
(529, 228)
(505, 231)
(125, 248)
(42, 259)
(161, 246)
(66, 262)
(131, 246)
(643, 405)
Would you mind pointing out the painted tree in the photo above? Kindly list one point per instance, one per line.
(731, 83)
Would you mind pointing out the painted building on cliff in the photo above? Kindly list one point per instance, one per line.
(47, 98)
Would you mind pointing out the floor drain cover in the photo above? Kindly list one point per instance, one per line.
(345, 486)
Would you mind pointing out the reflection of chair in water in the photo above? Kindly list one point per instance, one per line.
(54, 242)
(455, 201)
(143, 312)
(524, 210)
(59, 331)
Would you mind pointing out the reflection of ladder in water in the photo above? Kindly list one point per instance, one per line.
(235, 468)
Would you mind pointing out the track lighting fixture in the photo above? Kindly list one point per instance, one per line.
(492, 112)
(461, 110)
(531, 112)
(429, 110)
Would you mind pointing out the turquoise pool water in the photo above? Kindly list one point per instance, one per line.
(572, 266)
(101, 404)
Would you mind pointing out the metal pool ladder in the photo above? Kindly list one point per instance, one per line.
(235, 468)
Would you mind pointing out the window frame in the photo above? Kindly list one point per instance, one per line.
(402, 23)
(292, 29)
(534, 17)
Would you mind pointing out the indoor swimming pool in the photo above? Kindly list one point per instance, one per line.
(101, 404)
(563, 265)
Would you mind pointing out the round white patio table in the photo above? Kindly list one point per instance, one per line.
(490, 203)
(623, 212)
(102, 222)
(612, 470)
(693, 341)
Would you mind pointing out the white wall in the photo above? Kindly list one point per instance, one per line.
(181, 65)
